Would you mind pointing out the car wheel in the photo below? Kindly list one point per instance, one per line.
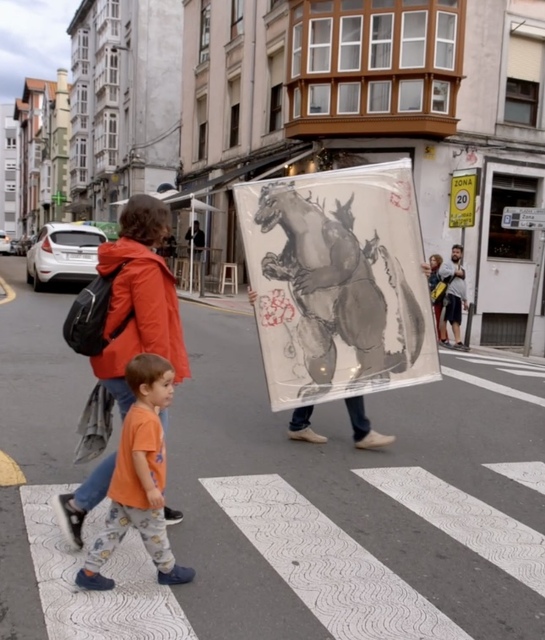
(29, 278)
(38, 284)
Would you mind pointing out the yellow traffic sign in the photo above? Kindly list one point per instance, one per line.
(463, 193)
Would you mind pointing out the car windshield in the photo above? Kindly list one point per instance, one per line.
(77, 238)
(2, 234)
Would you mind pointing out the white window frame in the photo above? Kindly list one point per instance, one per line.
(443, 40)
(447, 103)
(372, 82)
(401, 82)
(311, 46)
(376, 42)
(298, 50)
(358, 43)
(10, 146)
(10, 165)
(296, 103)
(10, 186)
(322, 113)
(346, 113)
(419, 39)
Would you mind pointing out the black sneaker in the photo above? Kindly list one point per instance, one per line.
(95, 582)
(172, 516)
(70, 521)
(178, 575)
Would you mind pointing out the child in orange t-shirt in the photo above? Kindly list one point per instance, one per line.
(139, 479)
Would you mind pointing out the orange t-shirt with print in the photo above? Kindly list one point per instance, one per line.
(142, 431)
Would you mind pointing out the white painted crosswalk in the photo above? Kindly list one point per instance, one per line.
(353, 593)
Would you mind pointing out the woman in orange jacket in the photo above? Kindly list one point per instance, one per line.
(145, 289)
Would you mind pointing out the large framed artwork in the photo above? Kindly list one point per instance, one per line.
(343, 306)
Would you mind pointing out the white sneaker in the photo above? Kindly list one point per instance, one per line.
(307, 435)
(374, 440)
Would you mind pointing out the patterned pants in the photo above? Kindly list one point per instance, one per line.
(151, 527)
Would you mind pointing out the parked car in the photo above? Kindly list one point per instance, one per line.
(63, 253)
(4, 243)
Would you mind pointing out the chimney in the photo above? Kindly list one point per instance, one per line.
(62, 81)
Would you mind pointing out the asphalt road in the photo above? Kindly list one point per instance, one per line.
(221, 426)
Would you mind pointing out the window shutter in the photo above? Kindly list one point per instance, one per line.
(525, 59)
(277, 69)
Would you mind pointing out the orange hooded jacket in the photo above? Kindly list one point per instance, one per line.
(145, 285)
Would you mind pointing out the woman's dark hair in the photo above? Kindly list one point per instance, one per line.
(145, 220)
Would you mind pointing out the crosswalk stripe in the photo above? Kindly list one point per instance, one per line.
(529, 367)
(527, 374)
(529, 474)
(352, 594)
(466, 355)
(503, 541)
(137, 607)
(493, 386)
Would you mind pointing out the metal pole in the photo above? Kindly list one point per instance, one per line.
(533, 300)
(191, 254)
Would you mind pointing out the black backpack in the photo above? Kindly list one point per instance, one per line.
(83, 328)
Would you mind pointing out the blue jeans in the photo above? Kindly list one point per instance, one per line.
(95, 488)
(356, 411)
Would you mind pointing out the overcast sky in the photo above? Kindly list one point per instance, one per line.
(33, 42)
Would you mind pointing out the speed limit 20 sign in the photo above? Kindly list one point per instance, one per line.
(463, 191)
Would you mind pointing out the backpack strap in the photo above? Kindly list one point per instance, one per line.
(117, 332)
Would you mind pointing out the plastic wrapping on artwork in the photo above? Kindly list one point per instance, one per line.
(343, 307)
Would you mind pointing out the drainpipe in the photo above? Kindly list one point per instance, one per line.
(252, 77)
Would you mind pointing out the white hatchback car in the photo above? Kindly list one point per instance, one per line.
(5, 243)
(64, 253)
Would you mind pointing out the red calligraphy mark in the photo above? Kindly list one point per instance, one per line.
(402, 197)
(276, 308)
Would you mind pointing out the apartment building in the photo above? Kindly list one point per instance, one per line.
(281, 87)
(28, 113)
(8, 170)
(55, 137)
(125, 101)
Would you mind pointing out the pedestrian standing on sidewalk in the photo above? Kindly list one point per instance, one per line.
(433, 280)
(456, 297)
(139, 479)
(144, 287)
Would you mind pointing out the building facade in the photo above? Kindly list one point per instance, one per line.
(125, 101)
(9, 137)
(29, 114)
(455, 85)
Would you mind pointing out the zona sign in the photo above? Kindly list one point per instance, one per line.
(463, 191)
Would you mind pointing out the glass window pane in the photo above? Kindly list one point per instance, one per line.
(448, 3)
(440, 98)
(350, 58)
(446, 26)
(351, 29)
(297, 102)
(319, 59)
(297, 35)
(383, 4)
(380, 56)
(382, 27)
(412, 54)
(318, 98)
(379, 97)
(519, 112)
(321, 7)
(410, 95)
(415, 3)
(320, 31)
(414, 24)
(349, 98)
(445, 55)
(296, 68)
(351, 5)
(298, 12)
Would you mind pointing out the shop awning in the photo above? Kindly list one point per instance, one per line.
(282, 157)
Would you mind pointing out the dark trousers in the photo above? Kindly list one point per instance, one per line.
(356, 412)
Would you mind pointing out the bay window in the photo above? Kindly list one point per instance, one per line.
(410, 95)
(348, 98)
(440, 96)
(379, 96)
(319, 98)
(319, 46)
(413, 39)
(382, 29)
(445, 40)
(350, 43)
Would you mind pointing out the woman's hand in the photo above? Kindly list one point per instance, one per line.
(252, 296)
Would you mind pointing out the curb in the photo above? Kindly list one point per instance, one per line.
(211, 302)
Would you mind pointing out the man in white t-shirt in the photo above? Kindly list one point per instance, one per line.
(456, 296)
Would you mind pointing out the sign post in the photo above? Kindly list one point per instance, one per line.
(463, 194)
(528, 218)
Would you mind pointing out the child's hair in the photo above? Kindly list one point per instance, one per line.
(144, 219)
(146, 368)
